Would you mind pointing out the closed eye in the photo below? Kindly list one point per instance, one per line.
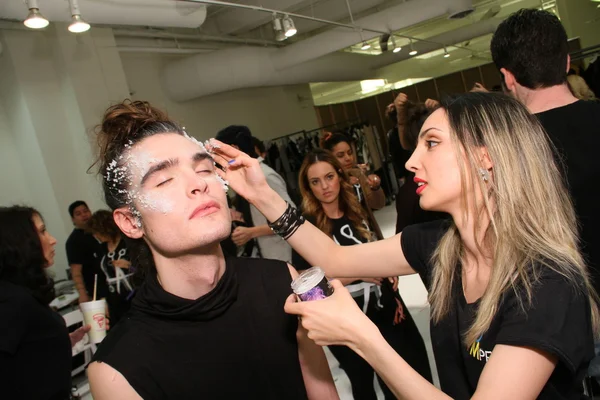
(204, 171)
(164, 182)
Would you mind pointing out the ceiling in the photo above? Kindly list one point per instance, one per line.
(188, 27)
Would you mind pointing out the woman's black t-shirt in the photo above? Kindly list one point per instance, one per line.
(558, 322)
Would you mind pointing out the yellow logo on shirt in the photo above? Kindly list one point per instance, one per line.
(477, 352)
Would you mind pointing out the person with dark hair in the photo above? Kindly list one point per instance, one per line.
(408, 118)
(82, 251)
(259, 147)
(513, 311)
(35, 345)
(200, 324)
(531, 51)
(269, 244)
(114, 263)
(329, 201)
(368, 187)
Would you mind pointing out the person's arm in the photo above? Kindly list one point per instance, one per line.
(106, 383)
(375, 198)
(242, 234)
(511, 373)
(77, 275)
(373, 260)
(313, 363)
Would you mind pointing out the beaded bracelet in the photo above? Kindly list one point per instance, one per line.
(289, 222)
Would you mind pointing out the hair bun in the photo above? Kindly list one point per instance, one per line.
(122, 121)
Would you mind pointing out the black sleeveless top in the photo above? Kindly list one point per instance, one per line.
(234, 342)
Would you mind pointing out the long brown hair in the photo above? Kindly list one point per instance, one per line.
(348, 202)
(532, 221)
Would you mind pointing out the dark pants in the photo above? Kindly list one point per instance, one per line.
(403, 337)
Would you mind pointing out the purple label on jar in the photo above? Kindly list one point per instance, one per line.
(319, 292)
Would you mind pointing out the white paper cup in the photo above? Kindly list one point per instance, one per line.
(94, 315)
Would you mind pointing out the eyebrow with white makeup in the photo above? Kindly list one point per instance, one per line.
(172, 162)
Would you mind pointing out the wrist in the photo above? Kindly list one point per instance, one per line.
(366, 339)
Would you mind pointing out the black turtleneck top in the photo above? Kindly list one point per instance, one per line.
(234, 342)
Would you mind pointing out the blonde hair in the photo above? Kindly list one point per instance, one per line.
(348, 202)
(580, 88)
(532, 222)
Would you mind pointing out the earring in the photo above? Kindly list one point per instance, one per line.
(485, 175)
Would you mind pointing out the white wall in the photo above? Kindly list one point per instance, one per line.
(268, 112)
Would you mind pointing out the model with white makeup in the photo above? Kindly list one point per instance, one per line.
(512, 309)
(200, 325)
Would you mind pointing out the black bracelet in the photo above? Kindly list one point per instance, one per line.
(289, 222)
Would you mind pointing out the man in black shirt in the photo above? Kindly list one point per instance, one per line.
(531, 51)
(81, 248)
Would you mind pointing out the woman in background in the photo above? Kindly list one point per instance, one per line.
(329, 201)
(368, 187)
(35, 345)
(114, 262)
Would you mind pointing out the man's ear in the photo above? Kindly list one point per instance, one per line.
(510, 82)
(128, 223)
(568, 62)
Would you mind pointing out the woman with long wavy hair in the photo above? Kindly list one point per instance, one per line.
(513, 313)
(329, 201)
(35, 345)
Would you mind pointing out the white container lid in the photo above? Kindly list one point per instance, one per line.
(307, 280)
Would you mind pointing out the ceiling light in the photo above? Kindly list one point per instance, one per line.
(278, 28)
(35, 19)
(78, 25)
(365, 46)
(413, 52)
(288, 27)
(396, 47)
(446, 54)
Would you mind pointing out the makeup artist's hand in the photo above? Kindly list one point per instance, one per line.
(374, 181)
(243, 172)
(334, 320)
(242, 235)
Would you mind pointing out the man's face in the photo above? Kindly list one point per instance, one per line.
(81, 216)
(177, 195)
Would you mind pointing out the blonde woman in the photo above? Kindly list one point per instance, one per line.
(511, 304)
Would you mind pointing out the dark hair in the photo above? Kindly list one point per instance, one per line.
(416, 114)
(532, 45)
(240, 136)
(76, 204)
(22, 259)
(102, 222)
(124, 125)
(334, 140)
(258, 144)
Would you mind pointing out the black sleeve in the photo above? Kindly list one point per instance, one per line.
(75, 251)
(418, 244)
(558, 321)
(14, 313)
(299, 262)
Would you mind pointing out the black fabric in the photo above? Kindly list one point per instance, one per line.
(235, 342)
(82, 248)
(575, 131)
(118, 299)
(389, 314)
(558, 322)
(35, 350)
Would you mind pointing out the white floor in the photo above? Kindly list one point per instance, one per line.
(415, 296)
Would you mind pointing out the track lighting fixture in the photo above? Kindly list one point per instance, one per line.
(413, 52)
(278, 28)
(35, 19)
(446, 54)
(365, 46)
(288, 27)
(78, 25)
(397, 48)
